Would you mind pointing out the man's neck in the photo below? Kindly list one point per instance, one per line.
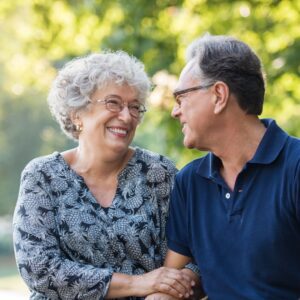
(237, 146)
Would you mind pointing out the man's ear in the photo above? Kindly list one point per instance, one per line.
(220, 96)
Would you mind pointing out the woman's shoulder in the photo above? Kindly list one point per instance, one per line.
(43, 163)
(154, 158)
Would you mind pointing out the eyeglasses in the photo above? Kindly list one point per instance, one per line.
(116, 105)
(191, 89)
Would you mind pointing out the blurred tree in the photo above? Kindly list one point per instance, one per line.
(39, 36)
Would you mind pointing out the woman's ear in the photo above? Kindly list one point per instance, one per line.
(75, 116)
(76, 120)
(220, 96)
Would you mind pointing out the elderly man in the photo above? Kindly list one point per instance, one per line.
(235, 211)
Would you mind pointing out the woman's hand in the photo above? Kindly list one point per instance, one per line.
(166, 280)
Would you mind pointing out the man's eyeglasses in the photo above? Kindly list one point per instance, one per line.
(116, 105)
(191, 89)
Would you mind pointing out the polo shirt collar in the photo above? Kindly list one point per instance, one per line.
(267, 151)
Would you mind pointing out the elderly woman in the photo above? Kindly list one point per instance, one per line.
(90, 222)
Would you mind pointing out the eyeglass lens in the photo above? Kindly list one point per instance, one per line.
(115, 104)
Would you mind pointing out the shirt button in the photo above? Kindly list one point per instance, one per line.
(227, 195)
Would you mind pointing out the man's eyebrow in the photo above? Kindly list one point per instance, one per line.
(177, 92)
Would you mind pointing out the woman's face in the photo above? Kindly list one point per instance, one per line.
(107, 130)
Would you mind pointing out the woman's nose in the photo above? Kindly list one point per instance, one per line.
(124, 114)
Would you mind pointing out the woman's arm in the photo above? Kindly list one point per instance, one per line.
(41, 262)
(165, 280)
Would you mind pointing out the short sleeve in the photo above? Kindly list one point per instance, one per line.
(177, 229)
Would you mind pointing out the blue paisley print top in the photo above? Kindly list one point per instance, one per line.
(67, 246)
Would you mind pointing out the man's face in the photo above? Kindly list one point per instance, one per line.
(193, 108)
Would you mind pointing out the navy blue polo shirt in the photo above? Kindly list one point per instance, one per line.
(246, 242)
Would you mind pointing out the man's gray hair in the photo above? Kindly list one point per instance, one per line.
(224, 58)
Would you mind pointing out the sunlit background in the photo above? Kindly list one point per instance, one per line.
(38, 37)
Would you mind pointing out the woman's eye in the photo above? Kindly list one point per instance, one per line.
(113, 101)
(135, 107)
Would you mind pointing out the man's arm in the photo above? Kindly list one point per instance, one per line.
(176, 260)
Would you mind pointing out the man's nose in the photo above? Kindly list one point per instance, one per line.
(175, 111)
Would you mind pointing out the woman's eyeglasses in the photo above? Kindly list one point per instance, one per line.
(116, 105)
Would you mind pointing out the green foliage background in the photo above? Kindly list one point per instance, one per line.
(38, 36)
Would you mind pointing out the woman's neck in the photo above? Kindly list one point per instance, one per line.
(96, 164)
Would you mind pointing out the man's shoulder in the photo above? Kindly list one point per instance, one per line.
(193, 167)
(294, 143)
(292, 153)
(291, 150)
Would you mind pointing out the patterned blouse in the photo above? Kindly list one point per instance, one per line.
(67, 246)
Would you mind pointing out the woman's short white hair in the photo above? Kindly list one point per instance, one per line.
(79, 78)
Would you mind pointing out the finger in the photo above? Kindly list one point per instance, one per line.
(174, 278)
(181, 279)
(168, 289)
(189, 280)
(178, 283)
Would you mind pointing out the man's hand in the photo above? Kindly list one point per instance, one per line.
(160, 296)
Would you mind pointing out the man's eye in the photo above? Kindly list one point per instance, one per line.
(178, 100)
